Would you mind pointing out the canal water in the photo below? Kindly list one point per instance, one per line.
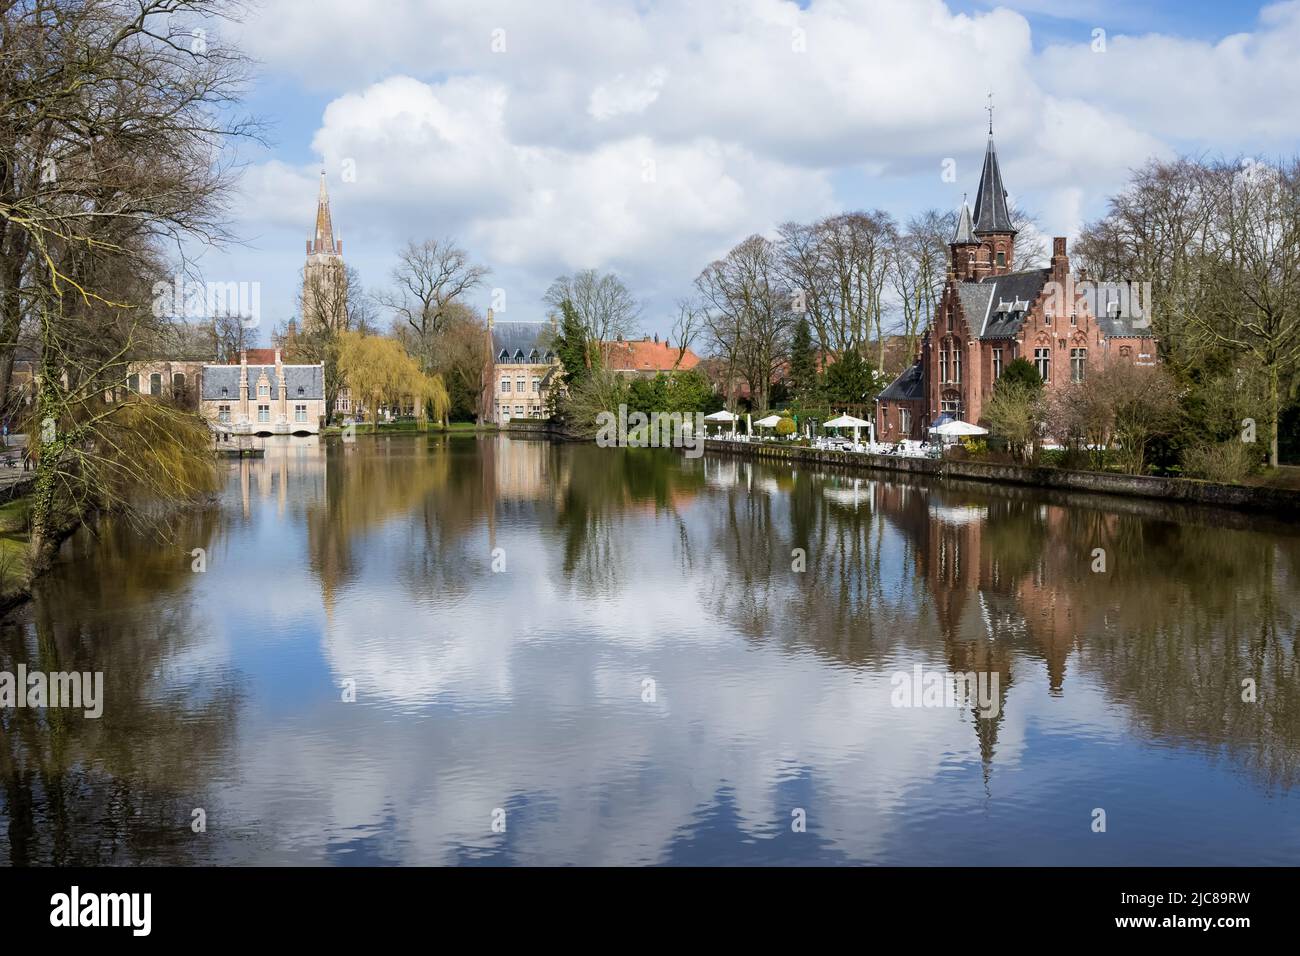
(460, 650)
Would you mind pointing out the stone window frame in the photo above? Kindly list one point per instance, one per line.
(1043, 362)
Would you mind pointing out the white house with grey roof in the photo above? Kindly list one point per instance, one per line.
(520, 372)
(274, 399)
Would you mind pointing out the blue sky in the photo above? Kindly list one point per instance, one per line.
(649, 137)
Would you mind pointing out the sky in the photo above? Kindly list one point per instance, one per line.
(648, 137)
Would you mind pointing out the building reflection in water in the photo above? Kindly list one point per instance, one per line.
(373, 562)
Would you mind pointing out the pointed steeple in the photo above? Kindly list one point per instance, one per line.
(323, 240)
(991, 212)
(965, 234)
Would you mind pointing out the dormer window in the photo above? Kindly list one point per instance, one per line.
(519, 355)
(504, 356)
(533, 357)
(301, 391)
(225, 393)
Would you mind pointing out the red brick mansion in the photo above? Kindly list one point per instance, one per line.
(989, 315)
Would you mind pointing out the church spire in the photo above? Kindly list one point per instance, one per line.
(965, 234)
(991, 212)
(323, 240)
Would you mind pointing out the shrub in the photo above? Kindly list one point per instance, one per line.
(785, 427)
(1228, 462)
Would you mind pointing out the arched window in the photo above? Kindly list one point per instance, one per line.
(133, 382)
(155, 383)
(178, 385)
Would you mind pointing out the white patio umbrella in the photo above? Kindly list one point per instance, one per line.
(771, 421)
(722, 416)
(847, 421)
(749, 425)
(958, 429)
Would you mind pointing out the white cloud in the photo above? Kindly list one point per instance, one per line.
(649, 139)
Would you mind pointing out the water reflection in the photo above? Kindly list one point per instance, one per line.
(669, 657)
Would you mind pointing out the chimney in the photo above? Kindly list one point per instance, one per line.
(243, 356)
(1060, 262)
(277, 358)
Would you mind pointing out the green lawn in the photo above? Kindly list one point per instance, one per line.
(13, 544)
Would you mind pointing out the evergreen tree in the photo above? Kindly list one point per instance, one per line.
(851, 380)
(571, 346)
(803, 364)
(1020, 373)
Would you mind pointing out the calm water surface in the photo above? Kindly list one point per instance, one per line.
(527, 690)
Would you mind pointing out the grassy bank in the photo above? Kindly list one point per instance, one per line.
(408, 427)
(15, 566)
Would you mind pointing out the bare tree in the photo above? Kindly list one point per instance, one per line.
(603, 304)
(428, 278)
(917, 274)
(748, 314)
(1251, 292)
(836, 269)
(686, 327)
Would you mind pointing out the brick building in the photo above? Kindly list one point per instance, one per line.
(991, 314)
(647, 357)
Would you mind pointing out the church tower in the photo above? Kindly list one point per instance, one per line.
(993, 226)
(324, 283)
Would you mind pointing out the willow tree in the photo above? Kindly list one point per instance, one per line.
(381, 372)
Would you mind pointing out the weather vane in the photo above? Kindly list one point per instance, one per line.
(990, 109)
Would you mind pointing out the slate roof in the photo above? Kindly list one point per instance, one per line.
(309, 378)
(975, 298)
(1113, 324)
(1125, 327)
(910, 386)
(965, 233)
(1010, 296)
(521, 337)
(991, 212)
